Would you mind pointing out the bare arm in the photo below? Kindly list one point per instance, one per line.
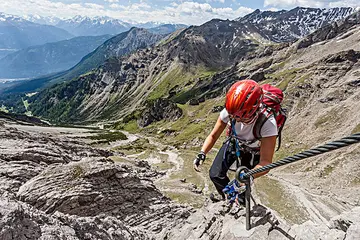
(213, 136)
(267, 148)
(210, 141)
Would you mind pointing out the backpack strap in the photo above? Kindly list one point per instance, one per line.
(283, 114)
(264, 115)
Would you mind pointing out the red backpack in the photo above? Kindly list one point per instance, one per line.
(272, 99)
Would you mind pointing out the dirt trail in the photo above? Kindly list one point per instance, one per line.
(173, 155)
(130, 138)
(319, 208)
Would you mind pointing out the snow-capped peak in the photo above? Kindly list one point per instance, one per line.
(9, 17)
(49, 20)
(295, 23)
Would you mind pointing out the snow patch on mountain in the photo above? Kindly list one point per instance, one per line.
(285, 25)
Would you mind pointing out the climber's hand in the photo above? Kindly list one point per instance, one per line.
(200, 158)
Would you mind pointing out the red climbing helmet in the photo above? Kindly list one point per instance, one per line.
(243, 100)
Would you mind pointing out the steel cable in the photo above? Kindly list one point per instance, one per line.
(346, 141)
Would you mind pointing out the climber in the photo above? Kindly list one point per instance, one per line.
(243, 105)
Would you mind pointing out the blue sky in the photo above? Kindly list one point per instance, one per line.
(174, 11)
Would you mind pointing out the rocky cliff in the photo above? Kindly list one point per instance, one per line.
(56, 187)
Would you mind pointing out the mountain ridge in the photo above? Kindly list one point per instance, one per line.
(48, 58)
(92, 60)
(295, 23)
(19, 33)
(212, 46)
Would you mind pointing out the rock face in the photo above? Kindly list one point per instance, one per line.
(24, 155)
(73, 196)
(217, 221)
(330, 31)
(20, 221)
(53, 187)
(157, 110)
(89, 188)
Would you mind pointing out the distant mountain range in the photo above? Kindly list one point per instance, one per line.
(293, 24)
(48, 58)
(190, 65)
(93, 26)
(18, 33)
(86, 26)
(47, 20)
(115, 47)
(26, 59)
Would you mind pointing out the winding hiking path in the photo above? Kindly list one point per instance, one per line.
(319, 208)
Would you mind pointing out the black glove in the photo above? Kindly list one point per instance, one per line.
(200, 158)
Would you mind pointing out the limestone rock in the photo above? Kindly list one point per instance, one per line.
(24, 155)
(91, 187)
(19, 221)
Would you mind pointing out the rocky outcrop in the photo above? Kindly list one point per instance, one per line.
(329, 31)
(69, 190)
(20, 221)
(219, 221)
(24, 155)
(91, 187)
(349, 55)
(158, 110)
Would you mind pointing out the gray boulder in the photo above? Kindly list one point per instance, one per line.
(19, 221)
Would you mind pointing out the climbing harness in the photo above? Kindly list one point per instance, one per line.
(243, 174)
(234, 146)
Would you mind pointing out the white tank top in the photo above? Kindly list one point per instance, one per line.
(245, 131)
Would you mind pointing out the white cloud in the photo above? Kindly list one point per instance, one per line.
(220, 1)
(197, 13)
(311, 3)
(347, 3)
(94, 6)
(133, 7)
(112, 1)
(191, 13)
